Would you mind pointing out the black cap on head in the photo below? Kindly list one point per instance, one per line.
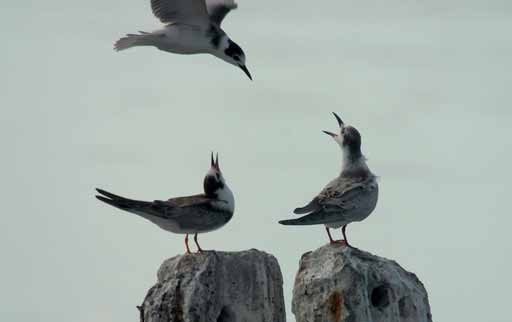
(233, 50)
(352, 140)
(237, 54)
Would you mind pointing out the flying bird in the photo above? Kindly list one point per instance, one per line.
(195, 214)
(350, 197)
(190, 27)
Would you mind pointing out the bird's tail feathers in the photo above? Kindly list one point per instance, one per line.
(290, 222)
(132, 40)
(303, 221)
(121, 202)
(314, 218)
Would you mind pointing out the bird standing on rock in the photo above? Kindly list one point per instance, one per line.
(350, 197)
(195, 214)
(191, 27)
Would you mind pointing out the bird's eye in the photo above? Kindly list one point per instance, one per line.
(236, 58)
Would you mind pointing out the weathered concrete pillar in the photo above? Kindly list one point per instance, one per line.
(336, 284)
(213, 286)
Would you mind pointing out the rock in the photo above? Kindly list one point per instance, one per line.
(213, 286)
(336, 283)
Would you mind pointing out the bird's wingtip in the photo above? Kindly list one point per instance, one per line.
(104, 199)
(100, 191)
(285, 222)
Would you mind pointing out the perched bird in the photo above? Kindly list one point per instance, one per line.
(195, 214)
(350, 197)
(191, 27)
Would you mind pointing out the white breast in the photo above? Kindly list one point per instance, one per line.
(226, 199)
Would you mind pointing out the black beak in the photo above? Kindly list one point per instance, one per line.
(330, 133)
(246, 71)
(340, 122)
(215, 163)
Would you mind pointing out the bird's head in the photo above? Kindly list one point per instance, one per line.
(214, 181)
(230, 52)
(349, 139)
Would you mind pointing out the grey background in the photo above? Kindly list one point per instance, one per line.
(428, 85)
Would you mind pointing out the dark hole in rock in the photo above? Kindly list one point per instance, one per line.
(380, 297)
(226, 315)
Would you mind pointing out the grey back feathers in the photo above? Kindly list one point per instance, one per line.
(351, 196)
(218, 9)
(198, 12)
(191, 214)
(184, 11)
(342, 201)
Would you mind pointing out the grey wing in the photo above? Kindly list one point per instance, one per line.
(311, 206)
(184, 11)
(198, 218)
(218, 9)
(336, 207)
(141, 208)
(315, 204)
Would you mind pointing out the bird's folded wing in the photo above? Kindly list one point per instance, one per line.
(218, 9)
(175, 207)
(315, 218)
(353, 197)
(334, 206)
(189, 201)
(182, 11)
(311, 206)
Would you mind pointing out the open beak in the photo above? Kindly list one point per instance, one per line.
(330, 133)
(246, 71)
(215, 163)
(340, 122)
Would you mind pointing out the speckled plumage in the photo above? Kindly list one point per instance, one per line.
(350, 197)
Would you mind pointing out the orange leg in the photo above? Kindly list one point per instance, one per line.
(199, 249)
(186, 244)
(345, 240)
(332, 241)
(342, 241)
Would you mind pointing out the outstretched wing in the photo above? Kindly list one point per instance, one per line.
(184, 11)
(218, 9)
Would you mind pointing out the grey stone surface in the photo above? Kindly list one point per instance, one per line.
(336, 283)
(244, 286)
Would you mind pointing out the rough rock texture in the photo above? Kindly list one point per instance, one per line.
(212, 286)
(336, 283)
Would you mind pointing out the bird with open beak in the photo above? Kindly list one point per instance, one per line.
(350, 197)
(194, 214)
